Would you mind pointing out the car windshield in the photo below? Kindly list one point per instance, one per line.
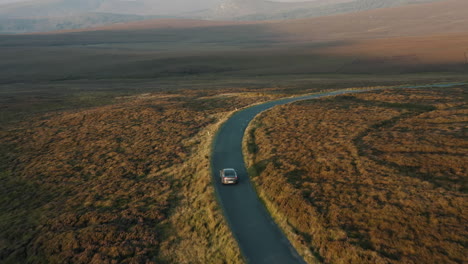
(229, 173)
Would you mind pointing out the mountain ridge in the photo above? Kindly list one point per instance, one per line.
(51, 15)
(447, 16)
(268, 10)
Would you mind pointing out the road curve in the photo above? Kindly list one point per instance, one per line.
(259, 238)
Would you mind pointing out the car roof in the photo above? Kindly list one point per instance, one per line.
(229, 169)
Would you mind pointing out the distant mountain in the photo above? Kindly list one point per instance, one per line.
(48, 15)
(207, 9)
(48, 8)
(267, 10)
(441, 17)
(60, 8)
(239, 9)
(22, 25)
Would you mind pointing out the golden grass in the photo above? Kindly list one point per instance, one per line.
(378, 177)
(124, 183)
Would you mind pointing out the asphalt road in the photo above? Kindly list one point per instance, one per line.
(259, 238)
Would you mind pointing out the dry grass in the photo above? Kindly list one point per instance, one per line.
(378, 177)
(124, 183)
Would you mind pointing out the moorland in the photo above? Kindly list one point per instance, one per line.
(124, 183)
(106, 133)
(89, 67)
(377, 177)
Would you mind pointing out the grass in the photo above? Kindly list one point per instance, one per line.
(88, 69)
(105, 139)
(119, 183)
(377, 177)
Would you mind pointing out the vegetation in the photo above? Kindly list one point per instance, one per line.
(105, 142)
(92, 68)
(124, 183)
(378, 177)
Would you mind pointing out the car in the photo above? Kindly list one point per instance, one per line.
(228, 176)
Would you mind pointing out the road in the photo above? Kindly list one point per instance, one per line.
(259, 238)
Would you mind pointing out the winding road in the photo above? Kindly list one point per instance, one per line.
(259, 238)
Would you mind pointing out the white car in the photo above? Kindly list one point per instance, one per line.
(228, 176)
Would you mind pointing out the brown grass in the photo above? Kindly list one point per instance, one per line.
(378, 177)
(124, 183)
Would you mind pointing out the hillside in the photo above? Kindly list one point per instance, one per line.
(186, 25)
(49, 15)
(268, 10)
(433, 53)
(60, 8)
(83, 21)
(439, 18)
(401, 40)
(414, 20)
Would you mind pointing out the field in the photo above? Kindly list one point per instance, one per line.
(77, 69)
(41, 73)
(377, 177)
(105, 137)
(124, 183)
